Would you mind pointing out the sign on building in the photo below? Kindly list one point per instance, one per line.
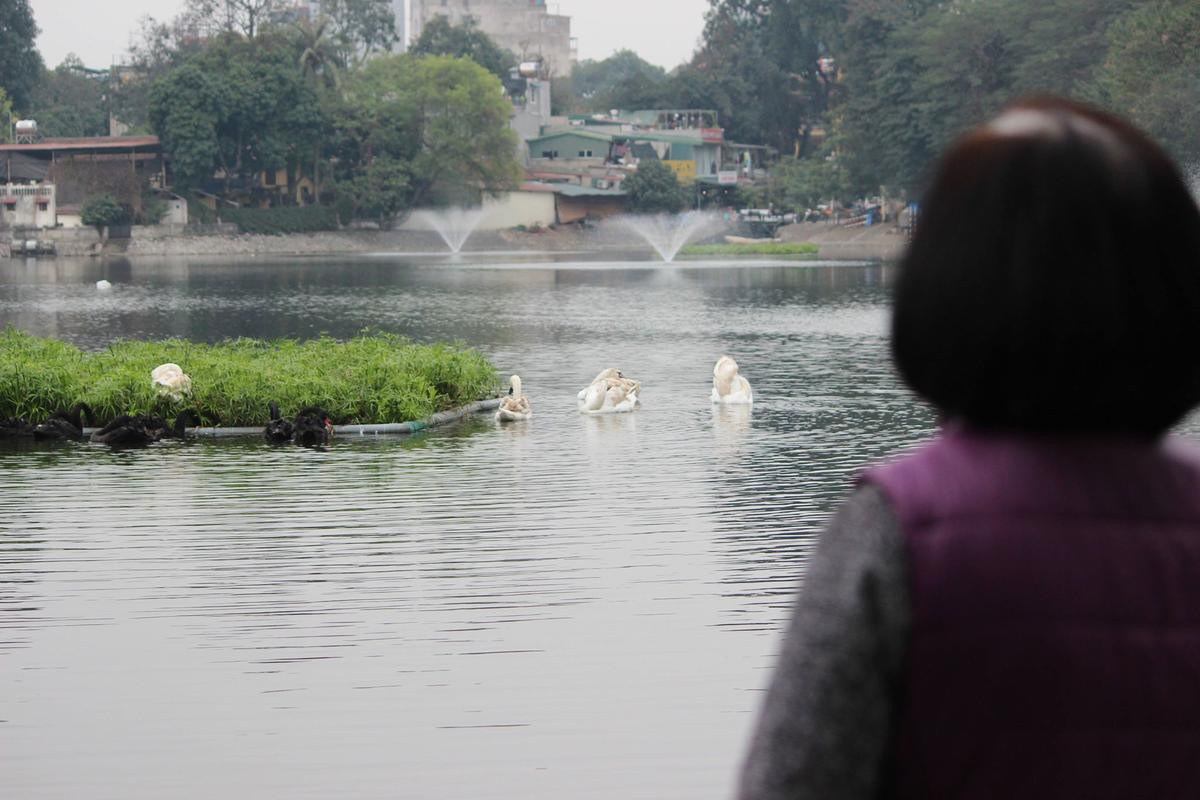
(685, 171)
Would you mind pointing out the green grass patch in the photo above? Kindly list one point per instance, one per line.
(373, 378)
(758, 249)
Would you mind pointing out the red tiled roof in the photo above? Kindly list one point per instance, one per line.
(87, 143)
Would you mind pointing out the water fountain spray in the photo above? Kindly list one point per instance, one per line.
(454, 225)
(669, 233)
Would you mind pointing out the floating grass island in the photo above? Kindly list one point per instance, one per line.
(755, 249)
(371, 379)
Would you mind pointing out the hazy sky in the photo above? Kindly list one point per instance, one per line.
(662, 31)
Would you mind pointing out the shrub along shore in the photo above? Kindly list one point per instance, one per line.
(755, 249)
(371, 379)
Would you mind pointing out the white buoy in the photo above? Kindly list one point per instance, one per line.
(103, 285)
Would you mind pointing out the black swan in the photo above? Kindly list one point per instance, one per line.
(312, 426)
(145, 429)
(64, 424)
(126, 430)
(15, 428)
(278, 429)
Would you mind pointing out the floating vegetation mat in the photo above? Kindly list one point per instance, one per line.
(371, 379)
(758, 249)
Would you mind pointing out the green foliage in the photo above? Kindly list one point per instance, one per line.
(102, 210)
(1152, 72)
(153, 210)
(370, 379)
(282, 219)
(381, 190)
(360, 28)
(440, 38)
(800, 183)
(654, 189)
(443, 119)
(20, 62)
(71, 101)
(756, 249)
(623, 80)
(6, 117)
(239, 106)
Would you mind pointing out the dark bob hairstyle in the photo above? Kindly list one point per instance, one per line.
(1053, 283)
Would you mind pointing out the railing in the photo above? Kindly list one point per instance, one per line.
(21, 190)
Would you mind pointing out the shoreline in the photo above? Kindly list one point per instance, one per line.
(878, 243)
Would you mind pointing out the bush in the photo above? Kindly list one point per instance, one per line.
(284, 219)
(654, 189)
(102, 210)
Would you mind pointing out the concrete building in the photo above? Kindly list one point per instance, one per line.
(126, 167)
(526, 27)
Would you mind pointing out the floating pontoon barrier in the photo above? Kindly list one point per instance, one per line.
(345, 431)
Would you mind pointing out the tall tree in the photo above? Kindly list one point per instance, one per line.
(240, 107)
(442, 121)
(20, 61)
(591, 80)
(1151, 73)
(362, 28)
(6, 117)
(440, 38)
(72, 100)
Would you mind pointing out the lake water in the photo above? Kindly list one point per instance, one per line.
(573, 607)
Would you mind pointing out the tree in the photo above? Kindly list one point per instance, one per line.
(654, 189)
(20, 62)
(156, 49)
(103, 210)
(213, 17)
(443, 118)
(6, 117)
(592, 80)
(240, 107)
(381, 190)
(71, 100)
(801, 183)
(361, 27)
(1150, 73)
(440, 38)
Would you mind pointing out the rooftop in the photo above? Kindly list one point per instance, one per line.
(86, 143)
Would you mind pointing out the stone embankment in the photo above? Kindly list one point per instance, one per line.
(878, 242)
(874, 243)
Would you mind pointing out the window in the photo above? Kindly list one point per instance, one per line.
(585, 153)
(43, 205)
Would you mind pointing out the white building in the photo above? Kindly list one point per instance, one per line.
(526, 27)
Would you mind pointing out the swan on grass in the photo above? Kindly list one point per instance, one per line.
(610, 392)
(515, 406)
(171, 382)
(730, 388)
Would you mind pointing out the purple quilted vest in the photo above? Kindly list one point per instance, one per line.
(1055, 648)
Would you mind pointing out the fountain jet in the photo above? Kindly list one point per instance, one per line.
(454, 225)
(668, 233)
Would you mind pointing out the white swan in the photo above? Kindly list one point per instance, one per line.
(515, 406)
(171, 382)
(610, 392)
(729, 387)
(103, 285)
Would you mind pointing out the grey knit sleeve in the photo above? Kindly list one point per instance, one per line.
(825, 729)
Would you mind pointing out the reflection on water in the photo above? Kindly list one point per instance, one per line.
(568, 607)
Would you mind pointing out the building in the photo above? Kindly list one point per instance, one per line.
(58, 175)
(526, 27)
